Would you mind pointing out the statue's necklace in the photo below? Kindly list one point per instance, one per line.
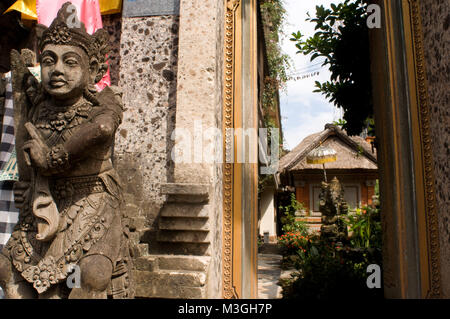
(58, 119)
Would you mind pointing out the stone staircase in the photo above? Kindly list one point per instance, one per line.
(183, 230)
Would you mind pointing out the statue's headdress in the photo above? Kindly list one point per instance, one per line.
(64, 31)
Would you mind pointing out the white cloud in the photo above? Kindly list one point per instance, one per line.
(307, 124)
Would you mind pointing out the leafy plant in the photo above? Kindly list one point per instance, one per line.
(331, 271)
(365, 226)
(331, 274)
(288, 219)
(340, 123)
(342, 40)
(273, 16)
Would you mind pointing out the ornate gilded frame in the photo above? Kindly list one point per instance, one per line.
(240, 182)
(230, 47)
(423, 156)
(411, 256)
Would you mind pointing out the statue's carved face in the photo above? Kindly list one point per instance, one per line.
(65, 71)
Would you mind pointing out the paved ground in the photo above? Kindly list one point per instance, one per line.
(269, 273)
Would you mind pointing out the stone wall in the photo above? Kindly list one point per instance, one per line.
(170, 72)
(436, 24)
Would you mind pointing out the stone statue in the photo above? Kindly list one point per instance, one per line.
(71, 240)
(332, 205)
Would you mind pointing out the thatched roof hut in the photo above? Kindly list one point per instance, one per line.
(355, 166)
(353, 153)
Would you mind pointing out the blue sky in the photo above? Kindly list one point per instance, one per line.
(303, 112)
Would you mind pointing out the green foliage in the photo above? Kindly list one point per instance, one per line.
(342, 40)
(365, 226)
(340, 123)
(263, 181)
(328, 271)
(288, 219)
(273, 16)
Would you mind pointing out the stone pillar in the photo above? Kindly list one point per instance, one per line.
(171, 78)
(199, 85)
(198, 118)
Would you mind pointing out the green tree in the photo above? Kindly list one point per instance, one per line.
(342, 40)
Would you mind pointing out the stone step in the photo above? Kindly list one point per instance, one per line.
(183, 236)
(185, 193)
(172, 277)
(172, 262)
(146, 263)
(181, 223)
(185, 210)
(192, 263)
(170, 284)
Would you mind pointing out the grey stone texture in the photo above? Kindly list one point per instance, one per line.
(147, 67)
(148, 54)
(269, 273)
(144, 8)
(171, 75)
(436, 24)
(170, 276)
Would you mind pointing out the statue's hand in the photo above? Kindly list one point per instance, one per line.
(35, 150)
(21, 193)
(35, 154)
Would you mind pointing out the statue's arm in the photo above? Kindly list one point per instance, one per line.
(91, 136)
(94, 136)
(98, 134)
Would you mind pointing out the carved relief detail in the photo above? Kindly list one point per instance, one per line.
(228, 112)
(425, 134)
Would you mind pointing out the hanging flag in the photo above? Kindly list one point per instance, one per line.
(110, 6)
(28, 8)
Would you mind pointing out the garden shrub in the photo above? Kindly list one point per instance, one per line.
(288, 219)
(326, 271)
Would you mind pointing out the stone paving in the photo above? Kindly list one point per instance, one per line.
(269, 272)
